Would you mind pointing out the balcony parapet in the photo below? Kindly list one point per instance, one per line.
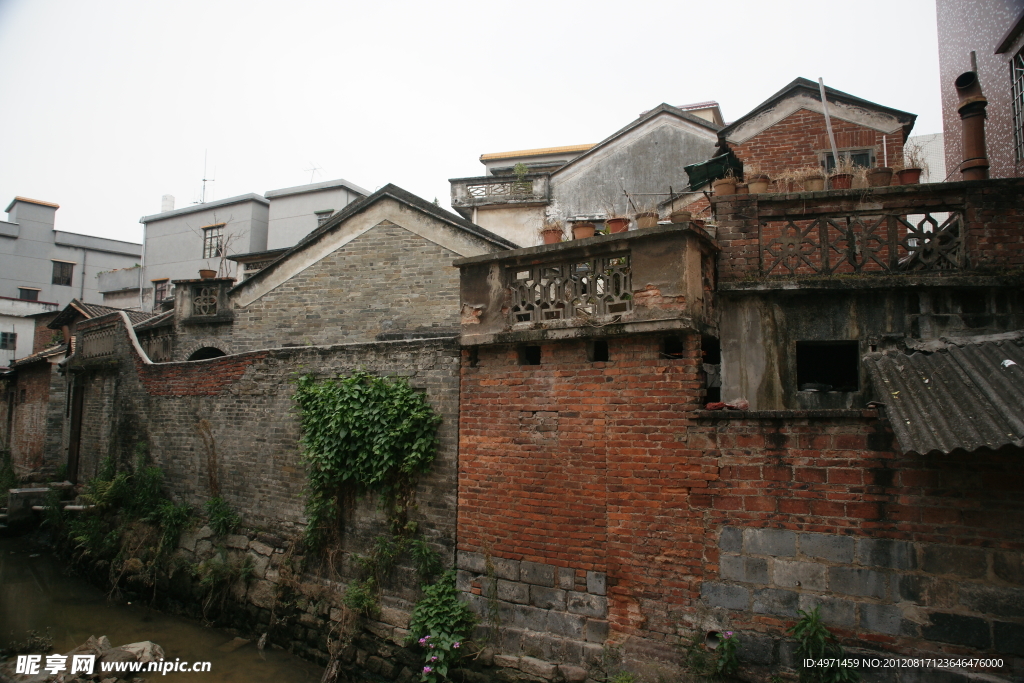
(656, 279)
(470, 193)
(940, 229)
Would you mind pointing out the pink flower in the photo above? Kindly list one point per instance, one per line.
(431, 646)
(423, 641)
(455, 645)
(434, 658)
(427, 669)
(728, 634)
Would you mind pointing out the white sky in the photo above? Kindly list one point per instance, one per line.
(109, 104)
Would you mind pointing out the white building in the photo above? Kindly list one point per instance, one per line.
(42, 269)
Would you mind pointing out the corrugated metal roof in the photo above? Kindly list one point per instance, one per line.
(966, 396)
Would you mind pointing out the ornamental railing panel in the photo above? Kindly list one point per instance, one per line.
(587, 288)
(887, 243)
(204, 301)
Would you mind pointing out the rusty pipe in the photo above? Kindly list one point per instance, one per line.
(972, 115)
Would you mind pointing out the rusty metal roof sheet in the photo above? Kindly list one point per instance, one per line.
(964, 396)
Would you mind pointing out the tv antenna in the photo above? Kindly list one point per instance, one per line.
(313, 170)
(202, 194)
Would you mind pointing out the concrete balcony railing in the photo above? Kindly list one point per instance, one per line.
(470, 193)
(641, 281)
(940, 228)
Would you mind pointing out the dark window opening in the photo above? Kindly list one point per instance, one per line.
(161, 290)
(828, 366)
(206, 352)
(62, 273)
(711, 349)
(529, 355)
(28, 294)
(673, 347)
(474, 356)
(597, 351)
(8, 341)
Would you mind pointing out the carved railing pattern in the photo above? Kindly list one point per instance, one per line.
(594, 287)
(204, 301)
(506, 190)
(254, 266)
(862, 243)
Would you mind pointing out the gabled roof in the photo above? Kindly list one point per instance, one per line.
(56, 350)
(803, 86)
(389, 191)
(89, 311)
(638, 122)
(964, 396)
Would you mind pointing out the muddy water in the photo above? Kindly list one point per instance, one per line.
(36, 594)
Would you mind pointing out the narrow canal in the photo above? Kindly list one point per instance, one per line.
(37, 594)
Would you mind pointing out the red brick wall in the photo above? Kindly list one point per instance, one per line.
(44, 336)
(581, 465)
(796, 141)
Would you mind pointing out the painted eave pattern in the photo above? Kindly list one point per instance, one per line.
(966, 396)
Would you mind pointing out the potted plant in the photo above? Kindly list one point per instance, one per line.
(581, 230)
(207, 273)
(616, 224)
(811, 178)
(521, 186)
(756, 179)
(742, 188)
(910, 164)
(553, 231)
(841, 177)
(681, 216)
(880, 176)
(726, 185)
(646, 219)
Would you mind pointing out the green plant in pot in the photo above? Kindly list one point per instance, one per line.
(521, 186)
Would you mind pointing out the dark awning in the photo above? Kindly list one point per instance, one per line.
(711, 170)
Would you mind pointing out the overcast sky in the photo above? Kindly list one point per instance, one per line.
(109, 104)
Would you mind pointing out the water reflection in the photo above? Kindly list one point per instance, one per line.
(36, 594)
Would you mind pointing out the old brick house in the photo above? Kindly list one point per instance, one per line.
(600, 503)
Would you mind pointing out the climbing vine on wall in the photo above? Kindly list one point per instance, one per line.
(361, 434)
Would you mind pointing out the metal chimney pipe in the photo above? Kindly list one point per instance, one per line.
(972, 114)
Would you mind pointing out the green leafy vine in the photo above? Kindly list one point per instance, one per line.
(361, 434)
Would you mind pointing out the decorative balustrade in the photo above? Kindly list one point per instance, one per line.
(487, 190)
(587, 288)
(859, 243)
(97, 343)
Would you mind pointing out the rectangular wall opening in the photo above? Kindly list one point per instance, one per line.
(529, 355)
(828, 366)
(597, 351)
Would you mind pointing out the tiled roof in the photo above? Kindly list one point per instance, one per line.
(39, 355)
(90, 311)
(967, 395)
(155, 321)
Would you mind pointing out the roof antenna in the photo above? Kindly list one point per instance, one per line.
(313, 170)
(202, 195)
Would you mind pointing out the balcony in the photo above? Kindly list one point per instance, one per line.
(648, 280)
(940, 230)
(493, 191)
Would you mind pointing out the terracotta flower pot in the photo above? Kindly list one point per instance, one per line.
(879, 177)
(551, 236)
(681, 217)
(742, 188)
(724, 186)
(842, 181)
(813, 184)
(581, 231)
(758, 183)
(909, 176)
(616, 225)
(207, 274)
(648, 219)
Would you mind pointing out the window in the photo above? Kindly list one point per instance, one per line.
(1017, 76)
(213, 241)
(529, 355)
(8, 340)
(62, 271)
(827, 366)
(161, 290)
(864, 158)
(597, 351)
(323, 216)
(28, 293)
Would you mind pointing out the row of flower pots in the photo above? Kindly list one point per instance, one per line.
(552, 233)
(760, 182)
